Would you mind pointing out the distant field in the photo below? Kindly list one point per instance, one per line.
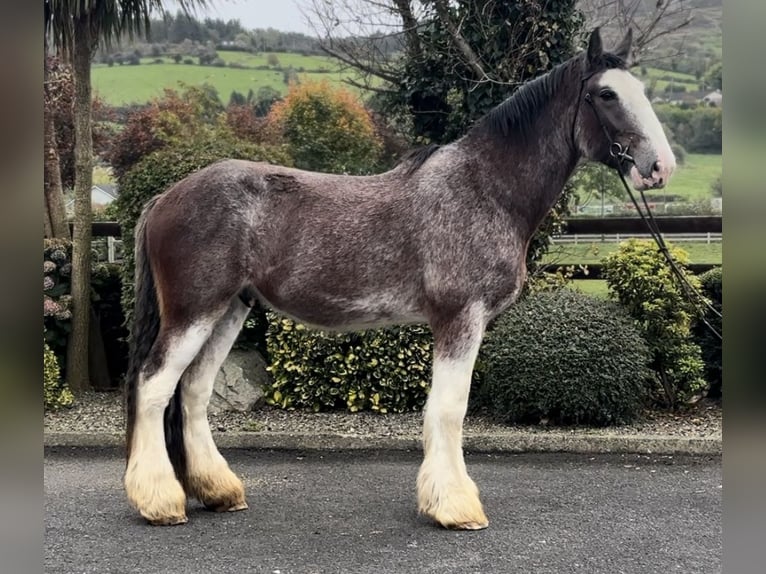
(694, 178)
(569, 253)
(679, 78)
(126, 84)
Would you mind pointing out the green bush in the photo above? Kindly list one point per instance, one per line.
(55, 392)
(158, 171)
(383, 370)
(638, 275)
(565, 358)
(712, 287)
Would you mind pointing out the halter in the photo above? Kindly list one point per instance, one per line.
(620, 153)
(616, 150)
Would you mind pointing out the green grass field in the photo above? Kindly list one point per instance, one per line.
(120, 85)
(584, 253)
(569, 254)
(693, 178)
(679, 78)
(594, 287)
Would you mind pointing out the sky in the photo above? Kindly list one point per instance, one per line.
(283, 15)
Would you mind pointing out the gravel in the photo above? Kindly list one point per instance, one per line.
(102, 412)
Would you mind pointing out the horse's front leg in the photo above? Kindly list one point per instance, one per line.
(445, 491)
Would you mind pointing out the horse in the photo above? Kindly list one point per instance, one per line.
(440, 239)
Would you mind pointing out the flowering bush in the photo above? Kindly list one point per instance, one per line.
(57, 305)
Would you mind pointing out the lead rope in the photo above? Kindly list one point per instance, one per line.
(622, 156)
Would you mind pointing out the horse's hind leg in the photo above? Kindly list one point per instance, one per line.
(445, 491)
(150, 481)
(208, 476)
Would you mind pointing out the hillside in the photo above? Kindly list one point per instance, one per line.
(689, 49)
(127, 84)
(678, 62)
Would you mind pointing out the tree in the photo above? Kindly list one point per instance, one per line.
(714, 77)
(55, 221)
(436, 66)
(651, 21)
(76, 28)
(176, 116)
(326, 129)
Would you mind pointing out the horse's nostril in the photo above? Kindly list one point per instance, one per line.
(656, 166)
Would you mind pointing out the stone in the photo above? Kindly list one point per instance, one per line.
(239, 383)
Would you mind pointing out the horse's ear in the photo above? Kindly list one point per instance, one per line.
(595, 48)
(623, 51)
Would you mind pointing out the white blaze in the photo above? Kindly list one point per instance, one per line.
(630, 92)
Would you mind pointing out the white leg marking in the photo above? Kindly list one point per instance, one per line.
(445, 491)
(150, 481)
(209, 477)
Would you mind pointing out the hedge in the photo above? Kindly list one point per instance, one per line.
(381, 370)
(561, 357)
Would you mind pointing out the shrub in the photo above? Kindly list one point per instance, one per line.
(326, 129)
(383, 370)
(106, 284)
(712, 287)
(565, 358)
(716, 188)
(638, 275)
(174, 117)
(162, 168)
(55, 392)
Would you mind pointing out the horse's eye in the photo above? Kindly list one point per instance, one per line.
(607, 95)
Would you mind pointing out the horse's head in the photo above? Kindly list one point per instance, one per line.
(615, 117)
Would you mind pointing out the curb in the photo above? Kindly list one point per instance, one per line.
(508, 442)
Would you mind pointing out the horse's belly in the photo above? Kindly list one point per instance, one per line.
(345, 311)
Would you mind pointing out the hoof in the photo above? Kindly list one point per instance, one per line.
(467, 525)
(160, 499)
(220, 492)
(167, 521)
(224, 508)
(455, 505)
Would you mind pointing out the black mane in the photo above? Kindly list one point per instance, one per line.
(516, 114)
(415, 158)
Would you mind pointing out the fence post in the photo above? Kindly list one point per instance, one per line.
(110, 249)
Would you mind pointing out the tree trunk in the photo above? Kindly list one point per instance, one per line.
(55, 211)
(55, 214)
(77, 352)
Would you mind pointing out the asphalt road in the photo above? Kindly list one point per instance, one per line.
(319, 512)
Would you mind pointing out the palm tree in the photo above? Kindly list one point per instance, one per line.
(76, 28)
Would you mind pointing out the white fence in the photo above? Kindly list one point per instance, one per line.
(617, 237)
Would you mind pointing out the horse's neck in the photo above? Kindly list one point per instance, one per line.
(527, 177)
